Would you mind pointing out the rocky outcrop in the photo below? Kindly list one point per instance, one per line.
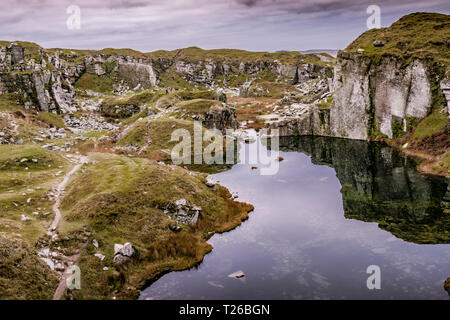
(182, 212)
(46, 84)
(199, 72)
(221, 117)
(47, 77)
(377, 96)
(445, 87)
(138, 74)
(205, 71)
(310, 120)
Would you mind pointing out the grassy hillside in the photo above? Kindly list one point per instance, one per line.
(27, 175)
(234, 55)
(119, 200)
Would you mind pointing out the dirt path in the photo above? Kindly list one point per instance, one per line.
(60, 191)
(58, 197)
(63, 282)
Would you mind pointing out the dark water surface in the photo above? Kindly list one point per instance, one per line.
(334, 208)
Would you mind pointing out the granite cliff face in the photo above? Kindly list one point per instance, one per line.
(384, 83)
(388, 79)
(206, 71)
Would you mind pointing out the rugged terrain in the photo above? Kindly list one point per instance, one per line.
(86, 159)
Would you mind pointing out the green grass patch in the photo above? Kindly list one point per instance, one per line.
(11, 157)
(52, 119)
(191, 95)
(22, 274)
(326, 105)
(102, 84)
(10, 101)
(431, 125)
(197, 106)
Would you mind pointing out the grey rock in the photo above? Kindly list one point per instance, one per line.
(378, 43)
(100, 256)
(395, 94)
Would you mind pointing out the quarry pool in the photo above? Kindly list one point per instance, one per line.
(334, 208)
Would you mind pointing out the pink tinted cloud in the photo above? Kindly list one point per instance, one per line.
(153, 24)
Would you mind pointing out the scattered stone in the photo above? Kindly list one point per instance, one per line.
(50, 263)
(95, 243)
(59, 267)
(181, 211)
(210, 182)
(194, 219)
(100, 256)
(174, 227)
(238, 274)
(180, 202)
(25, 218)
(123, 253)
(378, 43)
(120, 259)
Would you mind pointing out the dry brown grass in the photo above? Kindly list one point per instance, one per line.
(248, 109)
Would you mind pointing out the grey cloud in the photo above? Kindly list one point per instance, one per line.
(170, 24)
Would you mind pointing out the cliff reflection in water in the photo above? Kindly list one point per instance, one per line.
(381, 185)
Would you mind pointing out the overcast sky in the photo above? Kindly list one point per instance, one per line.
(263, 25)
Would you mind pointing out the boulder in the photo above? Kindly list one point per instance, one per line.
(123, 253)
(117, 248)
(238, 274)
(174, 227)
(17, 53)
(127, 250)
(120, 259)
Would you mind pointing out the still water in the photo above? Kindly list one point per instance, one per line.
(334, 208)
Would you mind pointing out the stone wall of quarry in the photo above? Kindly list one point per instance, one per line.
(47, 80)
(375, 96)
(312, 122)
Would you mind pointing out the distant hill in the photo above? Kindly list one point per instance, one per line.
(331, 52)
